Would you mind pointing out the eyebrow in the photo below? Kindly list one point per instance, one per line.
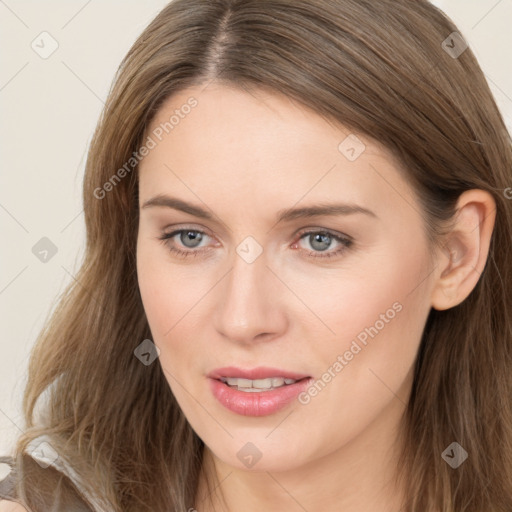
(286, 215)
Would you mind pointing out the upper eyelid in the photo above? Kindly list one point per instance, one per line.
(314, 229)
(305, 231)
(176, 230)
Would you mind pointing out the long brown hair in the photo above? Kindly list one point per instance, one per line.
(383, 69)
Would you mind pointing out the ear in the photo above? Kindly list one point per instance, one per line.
(464, 253)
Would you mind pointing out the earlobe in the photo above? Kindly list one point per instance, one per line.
(463, 256)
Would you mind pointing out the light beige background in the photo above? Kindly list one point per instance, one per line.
(49, 108)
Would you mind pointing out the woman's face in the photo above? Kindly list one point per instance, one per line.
(266, 289)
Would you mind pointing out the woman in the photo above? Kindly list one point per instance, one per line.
(296, 291)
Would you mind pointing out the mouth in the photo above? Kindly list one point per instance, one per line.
(258, 391)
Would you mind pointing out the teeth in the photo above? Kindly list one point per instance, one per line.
(257, 384)
(241, 383)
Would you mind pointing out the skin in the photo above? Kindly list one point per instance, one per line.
(245, 156)
(11, 506)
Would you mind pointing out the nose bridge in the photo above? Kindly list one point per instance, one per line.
(250, 300)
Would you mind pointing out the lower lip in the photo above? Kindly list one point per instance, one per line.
(257, 403)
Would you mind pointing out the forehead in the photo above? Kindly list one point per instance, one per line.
(226, 114)
(262, 145)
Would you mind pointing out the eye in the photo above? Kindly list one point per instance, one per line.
(189, 238)
(320, 240)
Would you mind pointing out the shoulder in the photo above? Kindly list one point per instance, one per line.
(7, 483)
(45, 487)
(11, 506)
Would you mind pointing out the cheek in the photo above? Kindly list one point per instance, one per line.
(372, 317)
(378, 319)
(171, 295)
(168, 290)
(363, 295)
(365, 369)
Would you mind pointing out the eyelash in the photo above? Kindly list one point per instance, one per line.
(345, 242)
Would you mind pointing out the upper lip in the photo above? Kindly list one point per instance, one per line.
(261, 372)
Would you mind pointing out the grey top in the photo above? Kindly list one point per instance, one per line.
(41, 455)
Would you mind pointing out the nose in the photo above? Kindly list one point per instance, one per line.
(250, 303)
